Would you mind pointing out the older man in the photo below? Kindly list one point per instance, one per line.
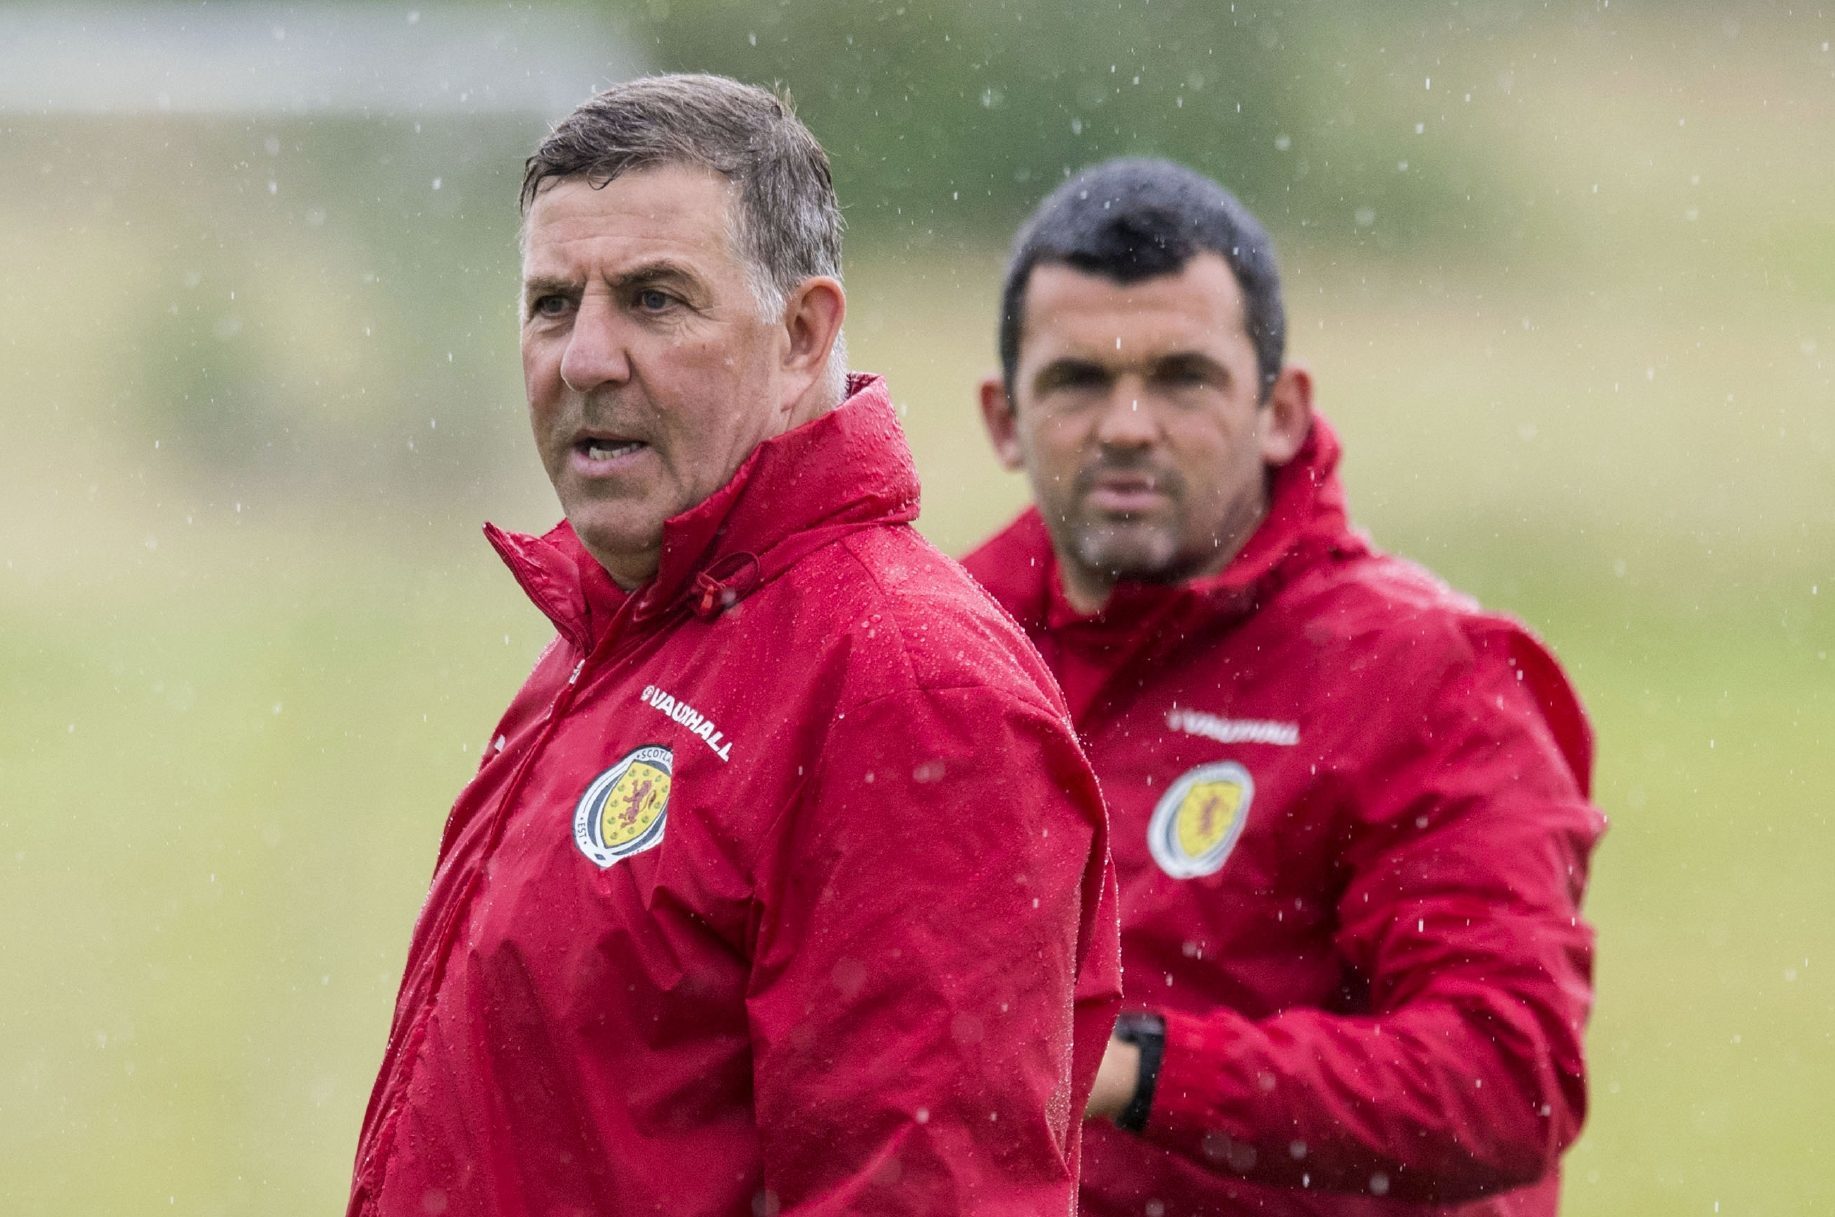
(783, 886)
(1350, 814)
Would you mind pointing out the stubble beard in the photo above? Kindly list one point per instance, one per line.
(1113, 551)
(1110, 549)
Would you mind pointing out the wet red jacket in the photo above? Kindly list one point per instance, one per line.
(773, 890)
(1351, 831)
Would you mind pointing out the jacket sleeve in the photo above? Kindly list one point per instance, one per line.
(943, 927)
(1465, 851)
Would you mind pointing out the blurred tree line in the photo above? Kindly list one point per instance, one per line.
(321, 305)
(948, 119)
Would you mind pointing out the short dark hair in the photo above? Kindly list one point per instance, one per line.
(1135, 219)
(787, 219)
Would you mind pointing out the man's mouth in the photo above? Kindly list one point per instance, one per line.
(1125, 493)
(608, 449)
(600, 455)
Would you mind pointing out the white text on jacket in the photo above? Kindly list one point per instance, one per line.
(690, 718)
(1233, 730)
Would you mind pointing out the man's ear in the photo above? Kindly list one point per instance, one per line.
(1003, 427)
(812, 323)
(1287, 415)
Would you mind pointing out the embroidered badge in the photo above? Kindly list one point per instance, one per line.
(623, 811)
(1197, 821)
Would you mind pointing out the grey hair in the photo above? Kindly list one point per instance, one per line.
(786, 224)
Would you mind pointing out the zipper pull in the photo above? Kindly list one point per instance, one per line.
(576, 672)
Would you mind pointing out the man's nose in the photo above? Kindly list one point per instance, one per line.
(1128, 419)
(595, 353)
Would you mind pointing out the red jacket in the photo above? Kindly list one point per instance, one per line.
(1351, 832)
(773, 890)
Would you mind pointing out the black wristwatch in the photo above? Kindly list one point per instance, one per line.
(1148, 1033)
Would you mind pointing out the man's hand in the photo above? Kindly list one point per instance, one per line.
(1116, 1079)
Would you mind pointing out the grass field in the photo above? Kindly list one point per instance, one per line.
(236, 706)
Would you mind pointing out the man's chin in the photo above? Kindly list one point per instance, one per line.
(1129, 552)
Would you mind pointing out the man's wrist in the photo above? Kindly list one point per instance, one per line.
(1147, 1032)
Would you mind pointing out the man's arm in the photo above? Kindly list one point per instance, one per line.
(943, 929)
(1466, 860)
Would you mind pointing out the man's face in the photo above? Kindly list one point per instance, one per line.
(650, 372)
(1139, 420)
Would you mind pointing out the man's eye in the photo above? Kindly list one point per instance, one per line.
(550, 305)
(651, 300)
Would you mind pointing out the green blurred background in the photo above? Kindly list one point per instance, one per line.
(1565, 273)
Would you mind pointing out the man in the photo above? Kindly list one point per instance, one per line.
(1349, 808)
(783, 887)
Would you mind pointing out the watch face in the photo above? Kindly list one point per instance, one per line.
(1133, 1028)
(1148, 1033)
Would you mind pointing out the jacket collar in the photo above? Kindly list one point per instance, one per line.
(847, 470)
(1306, 517)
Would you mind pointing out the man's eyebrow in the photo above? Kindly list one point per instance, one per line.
(661, 271)
(544, 285)
(1066, 368)
(650, 272)
(1190, 361)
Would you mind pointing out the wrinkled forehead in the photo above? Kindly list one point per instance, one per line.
(683, 207)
